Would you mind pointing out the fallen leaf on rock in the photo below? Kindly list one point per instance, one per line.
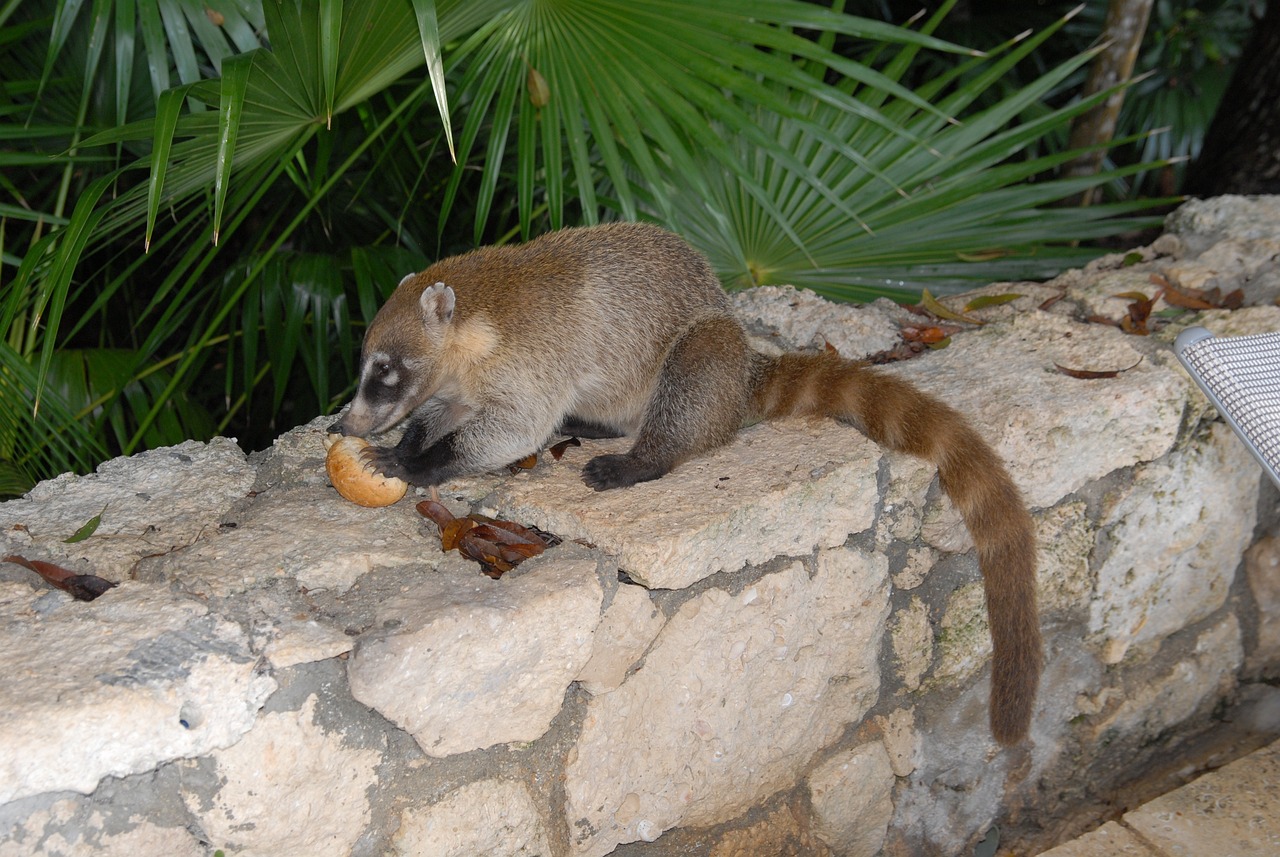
(927, 335)
(87, 530)
(930, 303)
(531, 461)
(1131, 296)
(1135, 322)
(497, 545)
(983, 301)
(902, 351)
(557, 450)
(1051, 300)
(1093, 374)
(527, 463)
(1189, 298)
(83, 587)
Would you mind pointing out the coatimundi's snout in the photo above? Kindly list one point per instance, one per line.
(402, 351)
(625, 329)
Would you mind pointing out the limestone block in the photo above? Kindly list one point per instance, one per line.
(911, 636)
(290, 642)
(495, 818)
(60, 831)
(627, 628)
(1229, 811)
(1176, 537)
(783, 832)
(1262, 570)
(901, 741)
(1100, 296)
(1193, 684)
(941, 527)
(154, 501)
(964, 635)
(804, 319)
(1109, 840)
(307, 533)
(919, 562)
(1057, 433)
(904, 498)
(288, 789)
(1208, 221)
(1065, 539)
(735, 695)
(116, 686)
(478, 662)
(852, 796)
(1241, 322)
(781, 489)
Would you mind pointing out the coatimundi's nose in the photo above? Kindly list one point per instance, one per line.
(339, 427)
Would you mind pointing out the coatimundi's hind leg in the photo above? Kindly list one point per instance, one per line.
(699, 404)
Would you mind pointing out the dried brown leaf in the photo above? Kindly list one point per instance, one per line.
(557, 450)
(527, 463)
(83, 587)
(435, 511)
(1092, 374)
(927, 335)
(1051, 300)
(1185, 300)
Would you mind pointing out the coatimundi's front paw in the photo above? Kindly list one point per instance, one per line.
(619, 471)
(423, 467)
(386, 460)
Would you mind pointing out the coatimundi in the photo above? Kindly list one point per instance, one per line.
(624, 329)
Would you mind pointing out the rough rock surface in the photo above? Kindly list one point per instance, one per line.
(852, 795)
(1163, 568)
(780, 648)
(149, 503)
(289, 756)
(671, 533)
(470, 663)
(493, 817)
(736, 694)
(117, 686)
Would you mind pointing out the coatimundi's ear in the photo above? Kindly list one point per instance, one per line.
(406, 278)
(437, 305)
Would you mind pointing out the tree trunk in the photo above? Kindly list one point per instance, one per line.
(1241, 152)
(1125, 25)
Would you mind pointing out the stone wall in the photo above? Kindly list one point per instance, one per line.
(778, 649)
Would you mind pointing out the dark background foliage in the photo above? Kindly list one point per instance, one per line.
(202, 204)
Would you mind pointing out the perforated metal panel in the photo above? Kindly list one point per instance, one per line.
(1241, 376)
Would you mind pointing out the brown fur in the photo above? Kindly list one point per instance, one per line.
(624, 329)
(900, 417)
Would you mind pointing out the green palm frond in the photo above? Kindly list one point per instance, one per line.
(201, 204)
(631, 89)
(963, 208)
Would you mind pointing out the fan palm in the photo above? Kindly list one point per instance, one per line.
(212, 247)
